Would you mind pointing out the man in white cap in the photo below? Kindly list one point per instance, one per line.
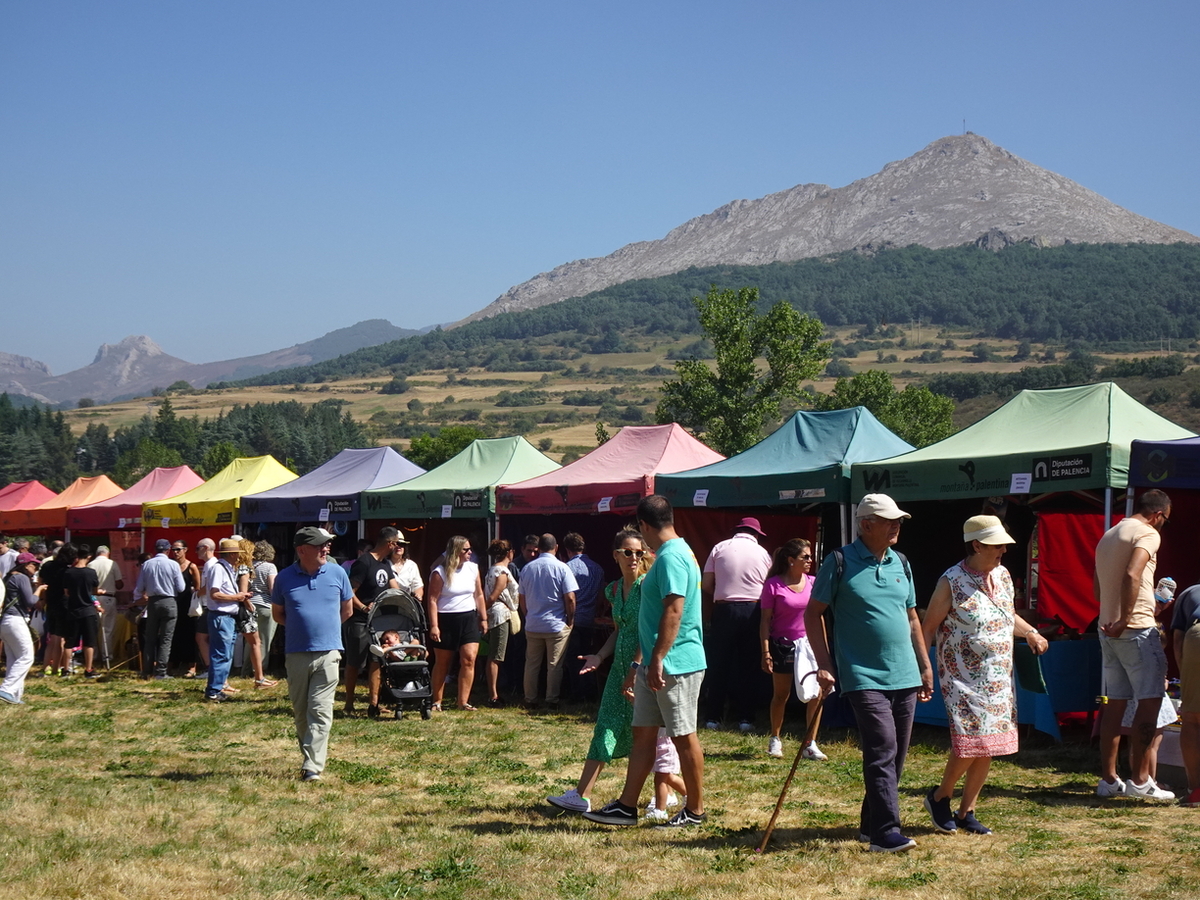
(730, 586)
(882, 662)
(312, 598)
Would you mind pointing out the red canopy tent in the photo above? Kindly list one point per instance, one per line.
(124, 510)
(613, 477)
(52, 514)
(19, 496)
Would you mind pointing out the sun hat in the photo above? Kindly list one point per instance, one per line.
(751, 524)
(312, 536)
(229, 545)
(881, 506)
(986, 530)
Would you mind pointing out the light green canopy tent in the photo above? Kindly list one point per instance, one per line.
(464, 486)
(1066, 439)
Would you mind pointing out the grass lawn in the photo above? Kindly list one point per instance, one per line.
(127, 789)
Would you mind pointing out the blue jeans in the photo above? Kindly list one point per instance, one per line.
(885, 721)
(222, 627)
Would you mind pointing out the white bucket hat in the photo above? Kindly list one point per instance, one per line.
(880, 505)
(986, 530)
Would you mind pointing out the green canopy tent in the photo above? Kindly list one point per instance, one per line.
(806, 460)
(463, 487)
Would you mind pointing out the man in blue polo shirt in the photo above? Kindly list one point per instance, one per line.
(312, 598)
(882, 662)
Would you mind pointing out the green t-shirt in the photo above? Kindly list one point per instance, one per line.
(872, 638)
(675, 571)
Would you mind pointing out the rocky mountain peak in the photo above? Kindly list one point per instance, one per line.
(136, 345)
(957, 190)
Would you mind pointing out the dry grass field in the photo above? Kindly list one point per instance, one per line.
(124, 789)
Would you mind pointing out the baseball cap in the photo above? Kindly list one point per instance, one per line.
(23, 558)
(880, 505)
(162, 545)
(312, 536)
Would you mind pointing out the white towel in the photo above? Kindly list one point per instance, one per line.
(804, 671)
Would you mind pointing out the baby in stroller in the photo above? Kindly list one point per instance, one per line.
(396, 624)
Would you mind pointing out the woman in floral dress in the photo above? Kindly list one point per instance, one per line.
(972, 618)
(614, 721)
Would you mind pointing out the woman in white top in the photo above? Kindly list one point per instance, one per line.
(408, 576)
(457, 619)
(500, 587)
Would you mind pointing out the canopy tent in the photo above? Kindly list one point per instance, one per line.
(808, 458)
(613, 477)
(1065, 439)
(124, 510)
(1172, 466)
(52, 513)
(23, 495)
(216, 501)
(330, 492)
(463, 486)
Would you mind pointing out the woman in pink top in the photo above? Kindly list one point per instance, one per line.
(785, 596)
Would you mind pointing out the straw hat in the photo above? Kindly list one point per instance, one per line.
(986, 530)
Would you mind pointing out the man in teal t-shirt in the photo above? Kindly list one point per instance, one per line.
(882, 662)
(666, 686)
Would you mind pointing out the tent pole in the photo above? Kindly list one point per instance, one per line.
(1129, 502)
(843, 514)
(1108, 507)
(853, 521)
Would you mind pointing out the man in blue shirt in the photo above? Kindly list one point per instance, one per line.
(547, 600)
(158, 581)
(312, 598)
(664, 681)
(882, 662)
(586, 636)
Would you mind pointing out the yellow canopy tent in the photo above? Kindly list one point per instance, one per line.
(216, 502)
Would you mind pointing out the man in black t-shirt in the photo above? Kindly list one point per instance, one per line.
(370, 574)
(79, 595)
(54, 606)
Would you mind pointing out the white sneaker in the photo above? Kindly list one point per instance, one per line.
(654, 814)
(1110, 788)
(571, 801)
(1149, 791)
(775, 747)
(812, 751)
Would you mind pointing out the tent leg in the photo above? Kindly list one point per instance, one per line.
(843, 520)
(1108, 507)
(1129, 501)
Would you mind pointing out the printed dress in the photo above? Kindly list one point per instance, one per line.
(974, 657)
(614, 721)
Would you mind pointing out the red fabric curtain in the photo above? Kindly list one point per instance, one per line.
(704, 528)
(1066, 560)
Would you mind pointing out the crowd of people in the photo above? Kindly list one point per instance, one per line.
(745, 621)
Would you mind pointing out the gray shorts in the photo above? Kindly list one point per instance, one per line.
(497, 638)
(1135, 666)
(673, 707)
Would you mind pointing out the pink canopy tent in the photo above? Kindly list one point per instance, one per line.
(613, 477)
(19, 496)
(125, 509)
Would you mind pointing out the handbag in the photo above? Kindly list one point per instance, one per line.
(514, 621)
(196, 606)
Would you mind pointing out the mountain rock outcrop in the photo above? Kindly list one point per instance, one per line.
(955, 191)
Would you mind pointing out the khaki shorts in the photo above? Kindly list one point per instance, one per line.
(1189, 671)
(673, 708)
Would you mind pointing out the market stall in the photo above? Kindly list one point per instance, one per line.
(50, 516)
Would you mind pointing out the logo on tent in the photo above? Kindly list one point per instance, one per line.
(968, 469)
(875, 480)
(1055, 468)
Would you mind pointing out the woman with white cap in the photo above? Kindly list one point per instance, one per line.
(971, 616)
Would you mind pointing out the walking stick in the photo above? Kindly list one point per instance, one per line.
(810, 735)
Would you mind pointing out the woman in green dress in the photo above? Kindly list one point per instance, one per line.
(613, 733)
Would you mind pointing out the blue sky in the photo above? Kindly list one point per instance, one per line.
(234, 177)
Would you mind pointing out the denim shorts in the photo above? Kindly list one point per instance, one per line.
(673, 707)
(1135, 666)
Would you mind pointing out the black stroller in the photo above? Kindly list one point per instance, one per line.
(404, 667)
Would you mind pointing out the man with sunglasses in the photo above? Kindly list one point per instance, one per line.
(1135, 665)
(312, 598)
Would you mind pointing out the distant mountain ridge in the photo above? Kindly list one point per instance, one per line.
(136, 365)
(955, 191)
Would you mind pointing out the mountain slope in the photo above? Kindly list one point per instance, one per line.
(955, 191)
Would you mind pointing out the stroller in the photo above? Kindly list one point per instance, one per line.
(404, 668)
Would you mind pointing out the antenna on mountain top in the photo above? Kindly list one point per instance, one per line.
(964, 126)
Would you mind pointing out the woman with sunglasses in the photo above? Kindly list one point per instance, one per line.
(457, 619)
(784, 599)
(613, 734)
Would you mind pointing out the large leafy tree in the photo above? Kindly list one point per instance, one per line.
(431, 450)
(731, 405)
(915, 414)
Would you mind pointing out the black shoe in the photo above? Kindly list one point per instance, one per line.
(495, 704)
(91, 673)
(939, 812)
(614, 813)
(372, 712)
(685, 818)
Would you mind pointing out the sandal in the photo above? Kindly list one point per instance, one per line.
(264, 683)
(436, 707)
(467, 707)
(231, 690)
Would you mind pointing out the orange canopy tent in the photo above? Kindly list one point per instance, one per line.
(52, 514)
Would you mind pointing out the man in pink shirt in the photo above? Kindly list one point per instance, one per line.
(731, 585)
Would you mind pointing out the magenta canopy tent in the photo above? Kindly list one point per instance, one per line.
(125, 509)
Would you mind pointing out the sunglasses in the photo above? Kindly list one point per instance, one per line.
(632, 553)
(805, 556)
